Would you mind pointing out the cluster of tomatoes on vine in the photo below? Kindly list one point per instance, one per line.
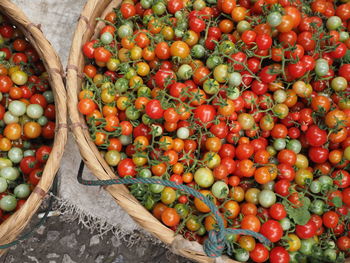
(27, 118)
(246, 101)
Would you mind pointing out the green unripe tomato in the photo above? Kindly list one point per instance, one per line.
(339, 84)
(15, 154)
(274, 19)
(204, 177)
(243, 26)
(330, 255)
(156, 188)
(343, 36)
(3, 185)
(28, 153)
(285, 223)
(149, 203)
(146, 119)
(130, 73)
(125, 31)
(144, 91)
(220, 189)
(317, 207)
(315, 187)
(146, 4)
(325, 180)
(199, 4)
(267, 198)
(4, 162)
(333, 22)
(168, 196)
(125, 140)
(121, 85)
(197, 51)
(106, 38)
(182, 210)
(179, 14)
(159, 8)
(279, 144)
(226, 47)
(2, 53)
(9, 173)
(179, 32)
(322, 67)
(201, 231)
(49, 96)
(22, 191)
(221, 73)
(279, 96)
(294, 145)
(112, 157)
(269, 186)
(145, 173)
(183, 133)
(156, 130)
(132, 113)
(241, 255)
(306, 246)
(35, 111)
(211, 86)
(213, 61)
(10, 118)
(42, 121)
(185, 72)
(271, 150)
(17, 108)
(8, 203)
(234, 79)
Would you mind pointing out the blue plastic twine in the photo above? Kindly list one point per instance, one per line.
(215, 244)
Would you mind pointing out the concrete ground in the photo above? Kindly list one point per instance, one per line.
(60, 242)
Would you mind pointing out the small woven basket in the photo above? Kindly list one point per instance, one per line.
(88, 29)
(13, 226)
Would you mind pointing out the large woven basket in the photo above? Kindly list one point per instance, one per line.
(14, 225)
(87, 29)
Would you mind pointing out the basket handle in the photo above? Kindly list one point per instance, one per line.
(215, 245)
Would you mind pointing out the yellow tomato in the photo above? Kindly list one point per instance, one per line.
(293, 242)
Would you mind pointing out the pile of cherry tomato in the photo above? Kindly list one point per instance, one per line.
(247, 101)
(27, 118)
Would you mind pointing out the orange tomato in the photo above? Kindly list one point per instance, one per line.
(232, 207)
(286, 25)
(200, 205)
(210, 222)
(32, 130)
(262, 175)
(179, 49)
(251, 222)
(249, 209)
(13, 131)
(170, 217)
(159, 169)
